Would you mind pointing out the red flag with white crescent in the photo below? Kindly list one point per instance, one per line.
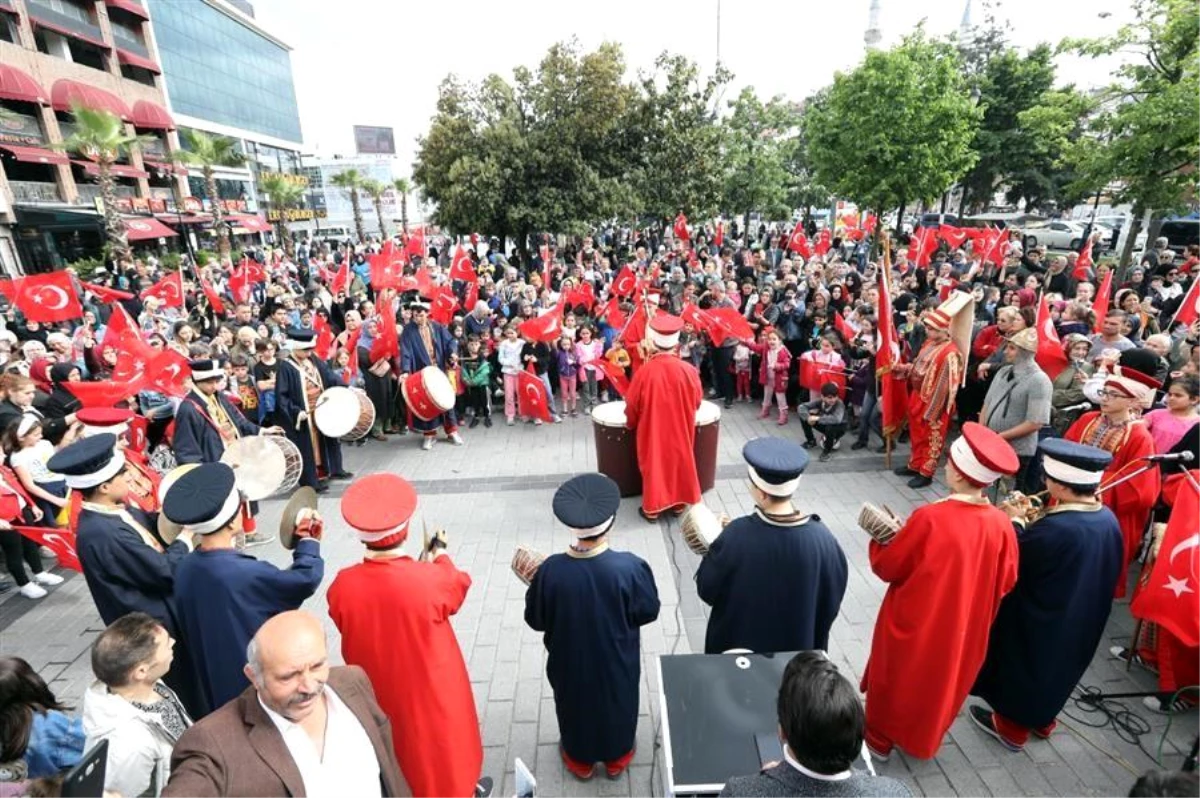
(104, 393)
(1189, 309)
(424, 282)
(59, 541)
(169, 289)
(532, 401)
(325, 339)
(461, 267)
(443, 305)
(615, 374)
(546, 328)
(104, 293)
(1167, 594)
(1084, 263)
(824, 242)
(626, 282)
(1103, 300)
(1050, 355)
(471, 297)
(387, 343)
(611, 312)
(47, 298)
(214, 300)
(798, 242)
(168, 373)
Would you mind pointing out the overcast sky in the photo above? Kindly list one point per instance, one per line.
(379, 62)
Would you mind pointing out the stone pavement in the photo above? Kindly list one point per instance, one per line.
(494, 493)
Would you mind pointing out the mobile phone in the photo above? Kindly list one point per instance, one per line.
(86, 780)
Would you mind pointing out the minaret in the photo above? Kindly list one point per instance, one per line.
(872, 37)
(966, 28)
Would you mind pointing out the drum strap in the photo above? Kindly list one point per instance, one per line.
(204, 411)
(147, 537)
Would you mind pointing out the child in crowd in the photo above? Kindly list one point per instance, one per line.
(741, 368)
(826, 415)
(28, 453)
(18, 507)
(476, 376)
(1168, 425)
(536, 356)
(345, 370)
(773, 373)
(454, 375)
(509, 354)
(568, 368)
(587, 351)
(691, 348)
(241, 386)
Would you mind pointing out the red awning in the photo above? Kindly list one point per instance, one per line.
(133, 59)
(139, 228)
(149, 115)
(66, 93)
(184, 218)
(62, 30)
(117, 169)
(132, 6)
(17, 85)
(253, 223)
(35, 154)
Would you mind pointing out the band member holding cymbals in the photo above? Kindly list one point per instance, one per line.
(300, 380)
(775, 579)
(947, 570)
(590, 602)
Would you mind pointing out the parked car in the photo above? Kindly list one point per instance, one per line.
(1054, 234)
(937, 219)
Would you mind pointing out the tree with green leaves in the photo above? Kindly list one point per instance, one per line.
(403, 189)
(803, 189)
(375, 189)
(351, 181)
(1145, 137)
(100, 137)
(756, 150)
(897, 128)
(283, 194)
(207, 152)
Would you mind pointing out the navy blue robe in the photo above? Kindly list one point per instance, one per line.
(224, 596)
(1049, 626)
(590, 609)
(125, 574)
(289, 402)
(196, 437)
(772, 587)
(414, 357)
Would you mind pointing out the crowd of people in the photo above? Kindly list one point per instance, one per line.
(1025, 375)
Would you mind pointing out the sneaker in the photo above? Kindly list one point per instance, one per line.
(1163, 705)
(487, 421)
(427, 443)
(982, 717)
(32, 591)
(825, 457)
(809, 444)
(920, 481)
(258, 539)
(455, 438)
(508, 421)
(1123, 654)
(837, 444)
(557, 419)
(905, 471)
(537, 422)
(483, 787)
(47, 578)
(474, 423)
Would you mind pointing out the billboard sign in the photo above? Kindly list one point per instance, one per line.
(374, 140)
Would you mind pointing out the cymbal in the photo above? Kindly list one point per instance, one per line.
(303, 499)
(168, 530)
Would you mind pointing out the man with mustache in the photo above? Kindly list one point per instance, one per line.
(303, 728)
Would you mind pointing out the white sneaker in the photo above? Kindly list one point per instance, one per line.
(455, 438)
(427, 443)
(32, 591)
(47, 578)
(537, 422)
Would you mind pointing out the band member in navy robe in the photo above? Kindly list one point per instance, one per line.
(774, 579)
(299, 381)
(1049, 626)
(206, 421)
(224, 595)
(590, 603)
(423, 343)
(127, 566)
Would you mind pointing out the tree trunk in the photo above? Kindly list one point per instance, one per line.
(900, 218)
(289, 244)
(220, 227)
(1135, 227)
(358, 220)
(379, 217)
(114, 225)
(404, 213)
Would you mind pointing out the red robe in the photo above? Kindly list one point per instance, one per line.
(1132, 501)
(933, 384)
(947, 570)
(394, 616)
(660, 408)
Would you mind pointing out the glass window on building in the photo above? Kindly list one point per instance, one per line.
(126, 33)
(69, 8)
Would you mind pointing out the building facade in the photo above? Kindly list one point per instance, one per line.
(337, 218)
(55, 54)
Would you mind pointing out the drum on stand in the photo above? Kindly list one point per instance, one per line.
(345, 413)
(616, 448)
(428, 393)
(708, 435)
(264, 465)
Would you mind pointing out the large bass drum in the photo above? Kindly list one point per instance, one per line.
(345, 413)
(428, 393)
(708, 436)
(616, 448)
(264, 465)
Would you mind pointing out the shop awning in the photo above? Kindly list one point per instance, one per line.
(148, 115)
(35, 154)
(164, 168)
(132, 6)
(133, 59)
(19, 86)
(184, 218)
(117, 169)
(66, 93)
(139, 228)
(252, 223)
(63, 30)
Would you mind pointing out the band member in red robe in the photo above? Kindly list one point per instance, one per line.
(634, 337)
(660, 408)
(1116, 428)
(947, 570)
(934, 377)
(394, 616)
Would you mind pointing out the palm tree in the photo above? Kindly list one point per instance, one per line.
(351, 181)
(284, 194)
(207, 152)
(405, 188)
(375, 190)
(100, 136)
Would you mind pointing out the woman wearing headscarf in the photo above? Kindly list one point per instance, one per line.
(62, 404)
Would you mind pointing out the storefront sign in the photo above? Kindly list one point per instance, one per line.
(158, 205)
(141, 204)
(20, 129)
(192, 205)
(296, 180)
(124, 204)
(295, 215)
(237, 206)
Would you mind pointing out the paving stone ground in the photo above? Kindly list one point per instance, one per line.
(494, 493)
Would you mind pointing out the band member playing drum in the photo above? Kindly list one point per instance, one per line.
(394, 613)
(423, 343)
(775, 579)
(1049, 626)
(127, 566)
(300, 380)
(590, 603)
(947, 569)
(223, 595)
(661, 409)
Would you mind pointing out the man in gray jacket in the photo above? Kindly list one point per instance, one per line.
(1018, 405)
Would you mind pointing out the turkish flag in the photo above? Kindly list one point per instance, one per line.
(1050, 356)
(341, 280)
(1103, 300)
(954, 236)
(728, 323)
(583, 296)
(995, 247)
(104, 393)
(424, 282)
(626, 282)
(168, 373)
(240, 283)
(47, 297)
(871, 222)
(532, 400)
(922, 245)
(214, 300)
(893, 392)
(546, 328)
(719, 236)
(387, 343)
(1084, 264)
(415, 247)
(681, 228)
(1167, 595)
(696, 317)
(385, 271)
(461, 267)
(615, 374)
(842, 326)
(59, 541)
(824, 242)
(104, 293)
(610, 311)
(325, 339)
(121, 328)
(544, 254)
(798, 242)
(471, 297)
(1189, 309)
(169, 289)
(444, 304)
(352, 348)
(133, 359)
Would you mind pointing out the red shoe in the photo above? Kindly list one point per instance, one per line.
(578, 769)
(1046, 730)
(617, 766)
